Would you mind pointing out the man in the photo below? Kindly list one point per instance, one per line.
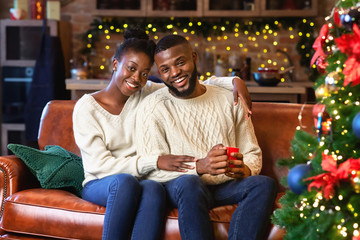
(191, 118)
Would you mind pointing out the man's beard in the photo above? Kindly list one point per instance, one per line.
(191, 88)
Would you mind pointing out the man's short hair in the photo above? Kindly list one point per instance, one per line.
(169, 41)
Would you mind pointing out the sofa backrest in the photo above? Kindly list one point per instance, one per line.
(274, 123)
(56, 126)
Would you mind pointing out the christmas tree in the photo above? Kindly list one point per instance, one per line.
(323, 201)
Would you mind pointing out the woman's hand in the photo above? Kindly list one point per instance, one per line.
(240, 91)
(176, 163)
(238, 169)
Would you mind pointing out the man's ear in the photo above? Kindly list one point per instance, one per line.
(194, 55)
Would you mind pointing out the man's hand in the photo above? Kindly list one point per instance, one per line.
(215, 161)
(175, 163)
(240, 91)
(238, 169)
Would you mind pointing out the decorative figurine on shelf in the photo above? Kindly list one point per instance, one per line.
(17, 14)
(37, 8)
(20, 10)
(163, 5)
(220, 69)
(289, 4)
(79, 68)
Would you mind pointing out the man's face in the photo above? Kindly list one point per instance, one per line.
(178, 69)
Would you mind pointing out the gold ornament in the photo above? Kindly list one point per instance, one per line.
(331, 81)
(355, 181)
(321, 91)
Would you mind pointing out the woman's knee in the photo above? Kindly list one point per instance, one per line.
(125, 183)
(152, 188)
(153, 193)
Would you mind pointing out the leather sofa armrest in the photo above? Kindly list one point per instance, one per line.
(14, 176)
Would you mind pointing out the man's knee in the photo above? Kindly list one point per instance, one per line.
(186, 186)
(188, 180)
(265, 183)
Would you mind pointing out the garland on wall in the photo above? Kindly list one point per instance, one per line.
(210, 28)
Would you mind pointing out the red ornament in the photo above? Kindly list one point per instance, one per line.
(320, 43)
(322, 120)
(321, 64)
(337, 19)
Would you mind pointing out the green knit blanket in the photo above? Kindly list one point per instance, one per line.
(54, 167)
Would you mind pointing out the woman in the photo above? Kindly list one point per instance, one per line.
(103, 125)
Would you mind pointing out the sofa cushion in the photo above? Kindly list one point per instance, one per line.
(52, 213)
(54, 167)
(59, 214)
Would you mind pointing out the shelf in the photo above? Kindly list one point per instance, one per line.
(293, 92)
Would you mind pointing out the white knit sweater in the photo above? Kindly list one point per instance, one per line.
(106, 141)
(169, 125)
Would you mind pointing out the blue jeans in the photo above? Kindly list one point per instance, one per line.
(255, 196)
(133, 207)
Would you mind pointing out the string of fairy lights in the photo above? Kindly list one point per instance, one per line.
(251, 34)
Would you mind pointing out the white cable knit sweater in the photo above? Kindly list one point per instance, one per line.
(169, 125)
(106, 141)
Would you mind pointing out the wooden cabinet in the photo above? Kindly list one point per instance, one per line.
(174, 8)
(148, 8)
(124, 8)
(205, 8)
(288, 8)
(20, 39)
(232, 8)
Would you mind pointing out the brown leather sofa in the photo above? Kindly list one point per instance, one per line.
(30, 212)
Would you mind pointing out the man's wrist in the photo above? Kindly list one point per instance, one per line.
(247, 171)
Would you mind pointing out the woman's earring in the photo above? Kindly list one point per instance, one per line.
(114, 69)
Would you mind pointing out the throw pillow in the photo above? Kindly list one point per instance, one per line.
(54, 167)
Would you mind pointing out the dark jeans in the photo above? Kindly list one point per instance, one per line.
(133, 207)
(255, 196)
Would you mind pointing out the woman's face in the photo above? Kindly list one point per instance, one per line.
(131, 72)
